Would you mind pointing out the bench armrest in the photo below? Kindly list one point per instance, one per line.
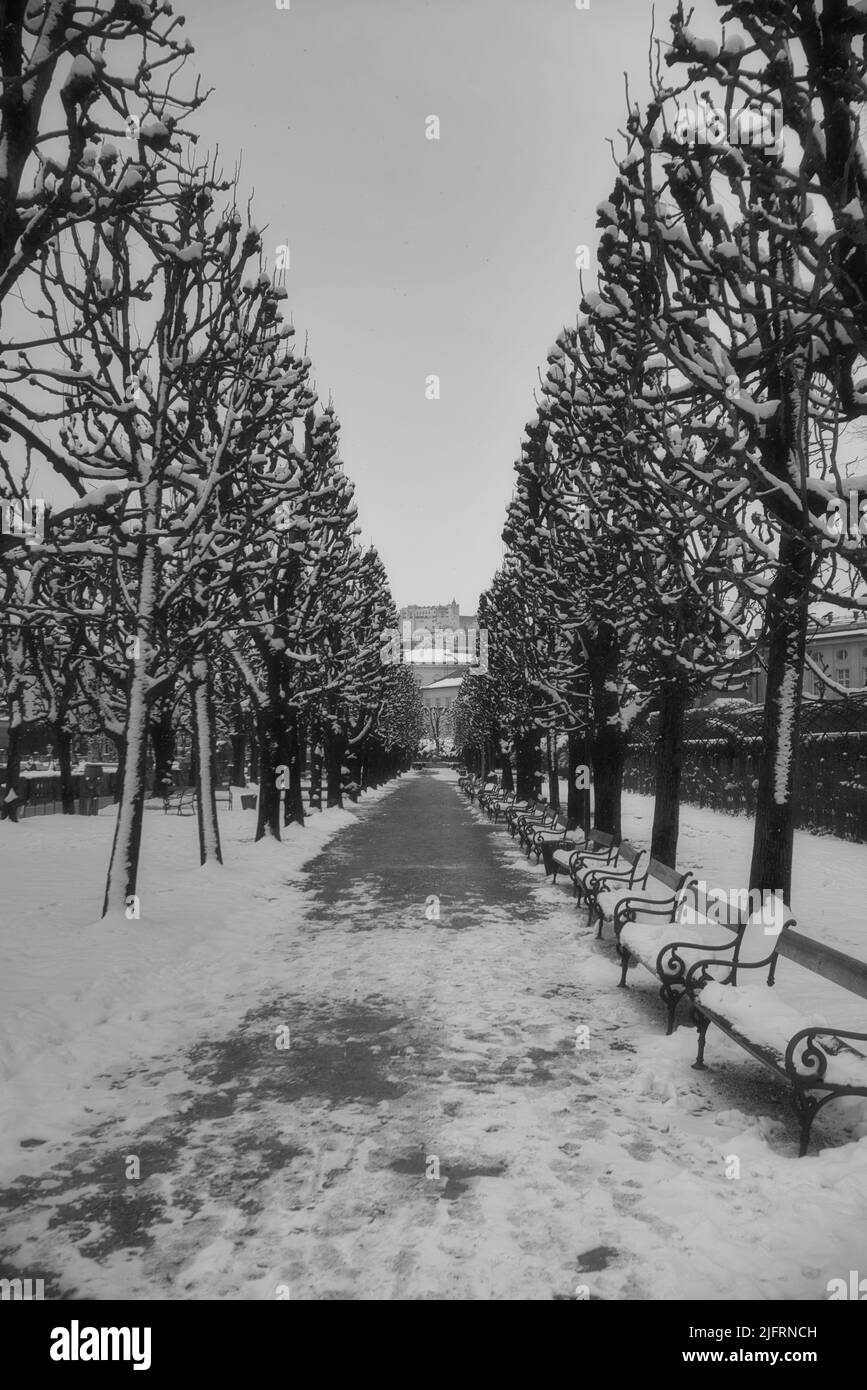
(671, 966)
(628, 909)
(598, 880)
(697, 976)
(583, 856)
(811, 1063)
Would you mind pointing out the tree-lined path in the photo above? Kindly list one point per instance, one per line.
(430, 1130)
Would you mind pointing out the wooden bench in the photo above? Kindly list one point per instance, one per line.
(488, 793)
(498, 805)
(522, 812)
(814, 1058)
(614, 898)
(528, 826)
(181, 800)
(605, 888)
(599, 848)
(478, 787)
(621, 861)
(554, 835)
(515, 809)
(697, 927)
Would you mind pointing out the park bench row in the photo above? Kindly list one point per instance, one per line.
(184, 801)
(701, 949)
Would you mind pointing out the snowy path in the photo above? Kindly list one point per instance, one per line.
(420, 1047)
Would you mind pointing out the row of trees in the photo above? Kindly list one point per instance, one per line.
(678, 498)
(199, 551)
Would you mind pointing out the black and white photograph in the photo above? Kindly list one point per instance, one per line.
(433, 664)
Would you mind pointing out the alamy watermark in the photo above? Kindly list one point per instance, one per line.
(834, 520)
(22, 1290)
(729, 906)
(440, 646)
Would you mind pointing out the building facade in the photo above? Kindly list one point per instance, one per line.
(838, 649)
(438, 642)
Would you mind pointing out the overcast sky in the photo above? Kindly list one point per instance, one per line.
(411, 257)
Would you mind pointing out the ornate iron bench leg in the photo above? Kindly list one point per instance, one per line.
(702, 1024)
(671, 1000)
(804, 1113)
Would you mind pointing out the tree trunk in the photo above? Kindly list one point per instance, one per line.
(316, 766)
(507, 781)
(273, 752)
(239, 755)
(578, 799)
(293, 809)
(669, 768)
(123, 866)
(609, 738)
(119, 741)
(163, 743)
(786, 624)
(12, 791)
(202, 704)
(193, 779)
(526, 764)
(353, 762)
(270, 795)
(334, 744)
(553, 778)
(609, 756)
(63, 745)
(369, 765)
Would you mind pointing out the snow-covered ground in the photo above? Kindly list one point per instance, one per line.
(609, 1171)
(79, 993)
(829, 876)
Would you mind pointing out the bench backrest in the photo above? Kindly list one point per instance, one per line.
(759, 937)
(630, 854)
(600, 839)
(845, 971)
(663, 874)
(722, 913)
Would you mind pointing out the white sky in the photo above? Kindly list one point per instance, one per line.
(411, 257)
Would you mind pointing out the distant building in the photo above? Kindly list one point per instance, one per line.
(439, 642)
(838, 648)
(441, 694)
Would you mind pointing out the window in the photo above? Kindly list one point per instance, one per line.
(841, 676)
(842, 654)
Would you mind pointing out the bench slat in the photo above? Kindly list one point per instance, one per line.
(630, 852)
(824, 960)
(670, 877)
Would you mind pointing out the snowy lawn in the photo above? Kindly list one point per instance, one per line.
(80, 994)
(829, 880)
